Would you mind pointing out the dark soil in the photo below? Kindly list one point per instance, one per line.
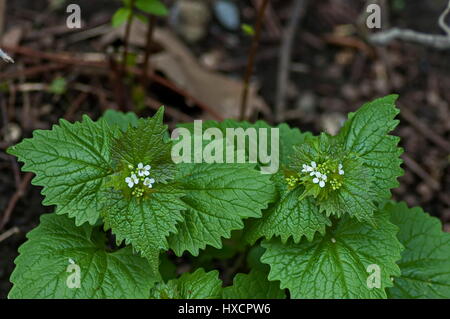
(330, 80)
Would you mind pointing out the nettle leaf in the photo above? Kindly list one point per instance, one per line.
(144, 222)
(196, 285)
(254, 285)
(146, 143)
(139, 214)
(366, 134)
(353, 172)
(72, 162)
(48, 261)
(120, 119)
(425, 263)
(338, 264)
(218, 197)
(289, 216)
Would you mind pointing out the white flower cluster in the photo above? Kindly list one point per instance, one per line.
(143, 172)
(318, 177)
(340, 170)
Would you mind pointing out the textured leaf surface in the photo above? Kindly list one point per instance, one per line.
(335, 265)
(425, 263)
(289, 216)
(41, 270)
(366, 134)
(120, 119)
(72, 162)
(254, 285)
(197, 285)
(218, 197)
(146, 222)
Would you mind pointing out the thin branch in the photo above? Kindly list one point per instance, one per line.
(13, 201)
(148, 48)
(441, 42)
(442, 23)
(251, 59)
(437, 41)
(285, 58)
(5, 57)
(127, 36)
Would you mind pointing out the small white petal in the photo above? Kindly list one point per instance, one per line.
(315, 180)
(341, 172)
(318, 174)
(324, 177)
(309, 169)
(322, 184)
(146, 173)
(140, 166)
(127, 180)
(152, 180)
(340, 166)
(130, 184)
(147, 167)
(313, 164)
(312, 173)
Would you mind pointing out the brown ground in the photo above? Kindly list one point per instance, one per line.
(334, 72)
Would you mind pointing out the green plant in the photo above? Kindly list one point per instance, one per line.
(323, 226)
(154, 7)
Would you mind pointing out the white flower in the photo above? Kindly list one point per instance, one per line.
(324, 177)
(313, 164)
(322, 184)
(306, 168)
(318, 174)
(143, 170)
(341, 171)
(315, 180)
(148, 182)
(132, 180)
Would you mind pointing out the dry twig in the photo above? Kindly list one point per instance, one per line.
(285, 58)
(437, 41)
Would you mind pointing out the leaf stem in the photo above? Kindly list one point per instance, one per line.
(127, 36)
(251, 59)
(148, 47)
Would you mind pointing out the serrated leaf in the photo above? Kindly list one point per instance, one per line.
(335, 265)
(353, 197)
(289, 216)
(197, 285)
(71, 161)
(218, 197)
(146, 143)
(147, 219)
(119, 119)
(254, 285)
(42, 266)
(146, 222)
(366, 134)
(425, 263)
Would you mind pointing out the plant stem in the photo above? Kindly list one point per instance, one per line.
(148, 47)
(251, 58)
(127, 36)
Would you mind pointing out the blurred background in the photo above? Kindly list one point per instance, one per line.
(315, 62)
